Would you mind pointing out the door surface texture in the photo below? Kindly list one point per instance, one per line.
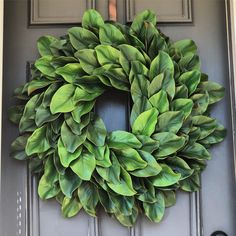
(197, 214)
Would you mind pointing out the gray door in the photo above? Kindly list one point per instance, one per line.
(210, 210)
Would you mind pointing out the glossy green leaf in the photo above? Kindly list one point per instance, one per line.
(146, 122)
(88, 60)
(69, 182)
(70, 140)
(130, 159)
(155, 211)
(110, 35)
(196, 151)
(182, 104)
(160, 64)
(88, 197)
(121, 139)
(45, 45)
(81, 38)
(191, 184)
(152, 168)
(66, 157)
(166, 177)
(43, 64)
(191, 79)
(214, 90)
(70, 207)
(160, 101)
(178, 165)
(97, 131)
(148, 144)
(92, 19)
(185, 46)
(125, 186)
(107, 54)
(48, 188)
(37, 142)
(62, 100)
(170, 121)
(84, 165)
(169, 143)
(18, 147)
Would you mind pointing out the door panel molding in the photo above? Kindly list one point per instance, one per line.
(180, 11)
(66, 12)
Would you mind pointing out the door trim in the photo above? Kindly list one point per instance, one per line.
(1, 79)
(230, 10)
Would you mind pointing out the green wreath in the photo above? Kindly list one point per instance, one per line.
(66, 143)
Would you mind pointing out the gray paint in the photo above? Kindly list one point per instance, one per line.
(208, 30)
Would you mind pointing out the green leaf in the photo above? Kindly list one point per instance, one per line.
(206, 124)
(160, 64)
(127, 220)
(66, 157)
(112, 173)
(138, 22)
(129, 54)
(169, 143)
(84, 165)
(182, 104)
(170, 121)
(82, 95)
(88, 197)
(45, 45)
(121, 139)
(88, 60)
(170, 198)
(190, 79)
(70, 140)
(166, 177)
(38, 84)
(47, 187)
(160, 101)
(214, 90)
(148, 144)
(145, 122)
(69, 182)
(178, 165)
(125, 186)
(102, 154)
(152, 168)
(18, 147)
(155, 211)
(44, 115)
(97, 131)
(81, 109)
(82, 38)
(189, 62)
(37, 142)
(139, 87)
(185, 46)
(15, 113)
(196, 151)
(111, 35)
(70, 72)
(201, 102)
(70, 207)
(92, 19)
(191, 184)
(130, 159)
(140, 105)
(217, 136)
(62, 100)
(44, 65)
(107, 54)
(27, 122)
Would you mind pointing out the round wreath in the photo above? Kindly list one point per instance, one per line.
(66, 143)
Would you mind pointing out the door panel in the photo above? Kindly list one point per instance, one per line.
(25, 214)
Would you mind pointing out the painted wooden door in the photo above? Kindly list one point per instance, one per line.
(198, 214)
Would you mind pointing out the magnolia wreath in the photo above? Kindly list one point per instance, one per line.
(81, 164)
